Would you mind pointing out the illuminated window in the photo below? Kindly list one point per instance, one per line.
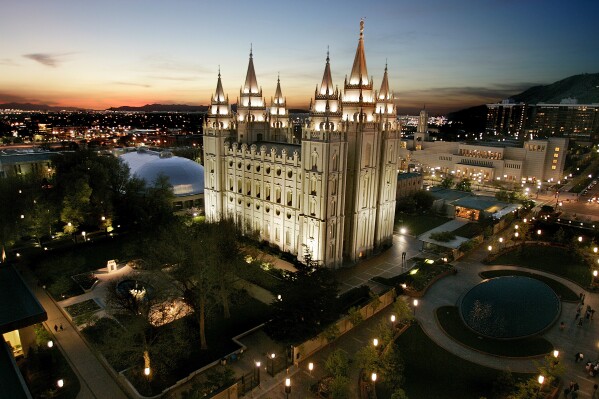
(553, 167)
(555, 155)
(555, 161)
(556, 149)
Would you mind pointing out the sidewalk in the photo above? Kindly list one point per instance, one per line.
(96, 382)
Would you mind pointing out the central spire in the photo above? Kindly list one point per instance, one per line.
(251, 83)
(326, 87)
(359, 72)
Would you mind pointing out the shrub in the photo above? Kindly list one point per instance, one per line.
(443, 236)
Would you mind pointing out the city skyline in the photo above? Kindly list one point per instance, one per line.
(447, 56)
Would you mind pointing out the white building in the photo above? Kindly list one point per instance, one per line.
(334, 192)
(539, 160)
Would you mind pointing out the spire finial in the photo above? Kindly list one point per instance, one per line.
(327, 53)
(219, 71)
(385, 65)
(251, 51)
(361, 27)
(278, 77)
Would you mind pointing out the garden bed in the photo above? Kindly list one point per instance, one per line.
(82, 308)
(419, 278)
(85, 280)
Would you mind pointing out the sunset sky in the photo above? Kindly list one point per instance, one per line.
(447, 54)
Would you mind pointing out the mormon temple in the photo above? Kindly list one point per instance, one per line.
(333, 193)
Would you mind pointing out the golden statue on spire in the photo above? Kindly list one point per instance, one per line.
(361, 26)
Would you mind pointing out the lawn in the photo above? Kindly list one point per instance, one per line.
(266, 279)
(450, 321)
(418, 224)
(556, 260)
(432, 372)
(55, 268)
(565, 293)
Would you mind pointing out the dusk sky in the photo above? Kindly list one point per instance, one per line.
(445, 54)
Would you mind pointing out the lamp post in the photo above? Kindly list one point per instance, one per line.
(375, 342)
(310, 367)
(258, 374)
(594, 277)
(50, 344)
(415, 303)
(392, 318)
(287, 387)
(83, 233)
(271, 362)
(541, 380)
(60, 383)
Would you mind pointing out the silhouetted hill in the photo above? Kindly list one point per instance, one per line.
(584, 87)
(162, 108)
(37, 107)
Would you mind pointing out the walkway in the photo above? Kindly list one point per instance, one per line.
(96, 381)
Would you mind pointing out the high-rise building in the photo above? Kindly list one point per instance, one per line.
(566, 119)
(333, 193)
(506, 118)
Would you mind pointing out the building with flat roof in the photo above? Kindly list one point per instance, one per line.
(484, 161)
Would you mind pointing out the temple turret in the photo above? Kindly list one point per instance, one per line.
(251, 107)
(325, 112)
(385, 105)
(279, 116)
(219, 113)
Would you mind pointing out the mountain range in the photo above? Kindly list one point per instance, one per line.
(583, 87)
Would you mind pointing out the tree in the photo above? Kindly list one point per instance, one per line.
(391, 367)
(337, 363)
(307, 305)
(75, 204)
(447, 181)
(340, 388)
(355, 316)
(402, 310)
(560, 236)
(188, 249)
(424, 200)
(399, 394)
(464, 185)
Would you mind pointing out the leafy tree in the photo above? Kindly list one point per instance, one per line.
(337, 364)
(340, 388)
(75, 204)
(308, 304)
(367, 359)
(560, 236)
(392, 367)
(355, 316)
(331, 332)
(399, 394)
(402, 309)
(424, 200)
(443, 236)
(464, 185)
(447, 181)
(188, 248)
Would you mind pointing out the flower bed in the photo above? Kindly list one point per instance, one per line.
(85, 280)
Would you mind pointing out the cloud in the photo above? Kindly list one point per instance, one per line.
(7, 62)
(132, 84)
(47, 59)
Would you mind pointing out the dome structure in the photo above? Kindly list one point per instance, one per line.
(185, 175)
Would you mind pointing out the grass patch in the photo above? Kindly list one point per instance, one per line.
(450, 320)
(81, 308)
(54, 268)
(418, 224)
(253, 273)
(469, 230)
(556, 260)
(432, 372)
(42, 368)
(565, 293)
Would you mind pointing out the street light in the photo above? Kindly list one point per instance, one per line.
(555, 353)
(541, 380)
(403, 230)
(83, 234)
(579, 238)
(375, 342)
(50, 344)
(595, 249)
(287, 387)
(490, 248)
(258, 373)
(393, 321)
(415, 305)
(539, 232)
(310, 367)
(373, 377)
(271, 359)
(147, 371)
(60, 383)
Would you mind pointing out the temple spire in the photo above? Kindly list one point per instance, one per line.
(219, 94)
(251, 83)
(326, 87)
(384, 92)
(359, 72)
